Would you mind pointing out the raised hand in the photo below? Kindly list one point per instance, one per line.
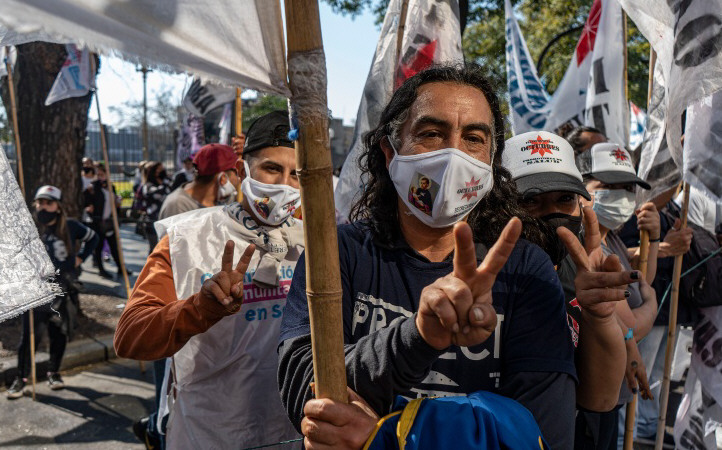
(226, 286)
(677, 241)
(600, 280)
(457, 309)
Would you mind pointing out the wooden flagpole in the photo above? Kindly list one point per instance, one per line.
(21, 182)
(671, 333)
(307, 79)
(400, 30)
(238, 113)
(113, 211)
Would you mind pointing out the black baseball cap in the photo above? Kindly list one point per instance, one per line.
(270, 130)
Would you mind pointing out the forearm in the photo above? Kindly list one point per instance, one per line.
(600, 359)
(645, 316)
(151, 329)
(89, 246)
(378, 367)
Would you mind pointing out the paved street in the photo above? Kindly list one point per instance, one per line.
(96, 410)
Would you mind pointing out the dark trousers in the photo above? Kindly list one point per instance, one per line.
(58, 341)
(596, 431)
(104, 230)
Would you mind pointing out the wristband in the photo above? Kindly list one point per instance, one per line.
(652, 241)
(629, 335)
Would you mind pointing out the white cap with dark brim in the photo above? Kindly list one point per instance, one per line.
(49, 193)
(540, 162)
(611, 164)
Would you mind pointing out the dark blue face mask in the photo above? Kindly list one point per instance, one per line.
(45, 217)
(571, 223)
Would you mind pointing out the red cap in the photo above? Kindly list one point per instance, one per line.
(215, 158)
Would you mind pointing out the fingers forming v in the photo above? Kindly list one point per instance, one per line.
(464, 252)
(574, 247)
(497, 257)
(227, 259)
(592, 237)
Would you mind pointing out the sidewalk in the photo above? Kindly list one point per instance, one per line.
(102, 302)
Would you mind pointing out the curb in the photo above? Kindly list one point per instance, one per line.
(78, 353)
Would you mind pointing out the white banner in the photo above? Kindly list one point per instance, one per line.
(224, 125)
(75, 78)
(656, 165)
(431, 35)
(637, 122)
(686, 35)
(592, 89)
(25, 268)
(235, 43)
(703, 146)
(202, 98)
(191, 139)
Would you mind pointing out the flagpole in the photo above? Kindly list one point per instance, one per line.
(671, 332)
(113, 211)
(307, 80)
(401, 28)
(21, 182)
(626, 75)
(238, 113)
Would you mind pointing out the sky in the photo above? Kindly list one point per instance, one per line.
(349, 45)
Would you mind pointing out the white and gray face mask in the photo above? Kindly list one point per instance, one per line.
(613, 207)
(440, 187)
(271, 204)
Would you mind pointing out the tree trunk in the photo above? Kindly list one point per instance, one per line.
(52, 137)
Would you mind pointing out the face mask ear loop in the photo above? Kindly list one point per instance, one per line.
(391, 143)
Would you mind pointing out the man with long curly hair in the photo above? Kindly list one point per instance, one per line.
(446, 303)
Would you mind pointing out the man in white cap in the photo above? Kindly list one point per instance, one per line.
(550, 186)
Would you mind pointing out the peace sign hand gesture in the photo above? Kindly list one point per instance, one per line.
(226, 287)
(600, 282)
(457, 309)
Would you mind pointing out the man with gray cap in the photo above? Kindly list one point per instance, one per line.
(218, 316)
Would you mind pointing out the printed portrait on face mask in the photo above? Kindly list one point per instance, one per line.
(264, 206)
(422, 193)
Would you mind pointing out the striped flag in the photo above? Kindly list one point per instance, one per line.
(637, 120)
(592, 90)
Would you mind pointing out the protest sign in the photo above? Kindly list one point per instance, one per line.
(191, 138)
(204, 97)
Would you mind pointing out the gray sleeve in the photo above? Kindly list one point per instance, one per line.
(378, 367)
(551, 398)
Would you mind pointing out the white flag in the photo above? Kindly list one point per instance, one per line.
(74, 78)
(703, 146)
(4, 58)
(191, 139)
(236, 43)
(431, 35)
(592, 89)
(202, 98)
(687, 36)
(25, 268)
(224, 125)
(637, 121)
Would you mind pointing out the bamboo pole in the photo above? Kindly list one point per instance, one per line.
(21, 182)
(113, 211)
(632, 405)
(400, 30)
(307, 79)
(671, 333)
(238, 113)
(626, 75)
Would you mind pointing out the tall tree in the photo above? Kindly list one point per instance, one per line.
(52, 137)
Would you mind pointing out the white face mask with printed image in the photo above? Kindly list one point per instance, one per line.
(441, 187)
(271, 204)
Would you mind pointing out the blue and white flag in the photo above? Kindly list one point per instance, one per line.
(637, 121)
(75, 78)
(592, 89)
(528, 99)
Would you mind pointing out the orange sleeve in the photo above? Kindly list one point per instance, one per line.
(155, 324)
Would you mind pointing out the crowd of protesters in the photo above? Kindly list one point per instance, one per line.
(471, 265)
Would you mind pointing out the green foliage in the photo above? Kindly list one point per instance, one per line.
(262, 105)
(540, 21)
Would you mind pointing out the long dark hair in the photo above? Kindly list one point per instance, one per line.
(377, 207)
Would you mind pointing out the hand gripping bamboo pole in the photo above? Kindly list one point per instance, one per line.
(21, 182)
(307, 79)
(671, 333)
(632, 405)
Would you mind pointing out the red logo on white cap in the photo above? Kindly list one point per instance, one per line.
(619, 154)
(541, 146)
